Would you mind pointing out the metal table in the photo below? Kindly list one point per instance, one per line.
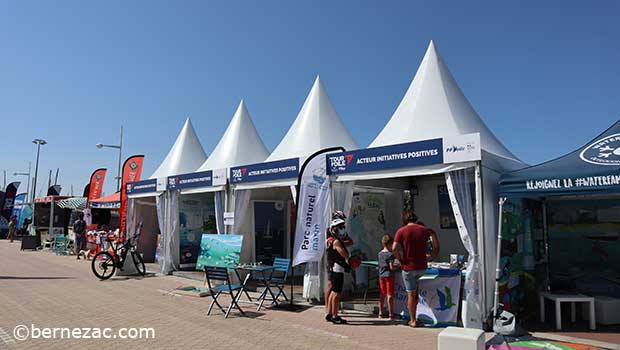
(266, 272)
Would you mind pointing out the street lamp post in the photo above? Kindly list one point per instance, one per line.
(120, 155)
(39, 143)
(25, 174)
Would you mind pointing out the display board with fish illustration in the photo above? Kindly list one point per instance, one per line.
(219, 251)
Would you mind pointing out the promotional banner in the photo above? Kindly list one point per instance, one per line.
(313, 212)
(196, 217)
(461, 148)
(132, 170)
(387, 157)
(96, 184)
(193, 180)
(143, 186)
(280, 169)
(9, 201)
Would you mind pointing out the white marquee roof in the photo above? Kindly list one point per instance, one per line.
(185, 156)
(317, 126)
(434, 106)
(239, 145)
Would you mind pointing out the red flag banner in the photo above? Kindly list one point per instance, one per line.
(132, 170)
(96, 184)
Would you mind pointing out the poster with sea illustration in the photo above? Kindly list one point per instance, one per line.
(219, 251)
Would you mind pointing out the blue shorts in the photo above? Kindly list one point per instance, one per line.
(410, 279)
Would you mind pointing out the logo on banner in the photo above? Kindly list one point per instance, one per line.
(239, 173)
(454, 149)
(98, 176)
(605, 151)
(318, 175)
(129, 187)
(339, 162)
(445, 299)
(173, 181)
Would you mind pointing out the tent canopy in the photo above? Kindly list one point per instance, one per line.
(593, 168)
(112, 201)
(185, 156)
(116, 197)
(75, 203)
(435, 107)
(239, 145)
(317, 126)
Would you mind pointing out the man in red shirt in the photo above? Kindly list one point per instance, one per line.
(412, 239)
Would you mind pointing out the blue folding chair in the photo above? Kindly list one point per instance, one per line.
(221, 274)
(60, 244)
(279, 276)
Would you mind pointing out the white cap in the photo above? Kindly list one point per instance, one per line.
(336, 222)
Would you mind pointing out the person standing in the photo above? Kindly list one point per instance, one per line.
(12, 227)
(329, 238)
(79, 228)
(337, 263)
(386, 276)
(412, 240)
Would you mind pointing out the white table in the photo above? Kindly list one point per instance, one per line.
(566, 298)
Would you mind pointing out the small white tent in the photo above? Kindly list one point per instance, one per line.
(266, 201)
(317, 126)
(435, 108)
(150, 208)
(239, 145)
(197, 200)
(185, 156)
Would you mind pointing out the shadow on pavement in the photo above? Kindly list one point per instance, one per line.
(34, 278)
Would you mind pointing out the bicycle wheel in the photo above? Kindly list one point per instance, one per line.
(137, 260)
(103, 265)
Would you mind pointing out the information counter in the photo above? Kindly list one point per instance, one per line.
(439, 294)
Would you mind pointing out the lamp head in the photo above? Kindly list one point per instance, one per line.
(39, 142)
(99, 145)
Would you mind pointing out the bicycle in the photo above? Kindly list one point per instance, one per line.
(106, 262)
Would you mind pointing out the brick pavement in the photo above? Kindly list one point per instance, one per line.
(58, 291)
(46, 290)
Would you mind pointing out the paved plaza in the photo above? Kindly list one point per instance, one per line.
(46, 290)
(42, 290)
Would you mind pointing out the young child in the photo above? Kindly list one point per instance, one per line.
(386, 276)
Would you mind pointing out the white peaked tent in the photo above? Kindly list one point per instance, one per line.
(185, 156)
(239, 145)
(317, 126)
(434, 107)
(202, 192)
(151, 208)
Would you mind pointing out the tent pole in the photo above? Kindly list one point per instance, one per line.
(51, 227)
(546, 243)
(502, 200)
(480, 237)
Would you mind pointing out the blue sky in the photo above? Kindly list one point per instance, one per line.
(543, 76)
